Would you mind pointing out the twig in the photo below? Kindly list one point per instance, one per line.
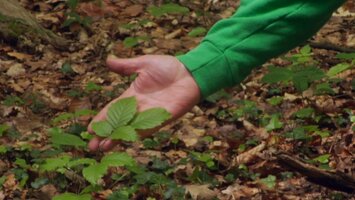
(330, 46)
(336, 180)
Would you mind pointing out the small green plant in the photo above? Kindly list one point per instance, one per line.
(74, 17)
(123, 120)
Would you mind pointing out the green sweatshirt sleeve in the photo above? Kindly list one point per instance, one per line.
(257, 32)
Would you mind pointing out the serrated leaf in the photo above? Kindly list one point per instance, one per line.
(72, 196)
(125, 133)
(338, 69)
(102, 128)
(51, 164)
(94, 173)
(117, 160)
(58, 137)
(199, 31)
(150, 118)
(122, 111)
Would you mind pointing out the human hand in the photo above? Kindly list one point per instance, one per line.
(163, 81)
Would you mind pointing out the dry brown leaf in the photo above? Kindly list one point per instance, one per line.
(249, 155)
(236, 191)
(201, 192)
(133, 10)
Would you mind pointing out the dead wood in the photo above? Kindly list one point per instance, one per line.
(15, 21)
(336, 180)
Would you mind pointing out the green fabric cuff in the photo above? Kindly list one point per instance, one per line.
(209, 67)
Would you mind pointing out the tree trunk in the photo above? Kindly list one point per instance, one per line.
(17, 23)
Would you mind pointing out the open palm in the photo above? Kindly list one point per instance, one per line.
(163, 81)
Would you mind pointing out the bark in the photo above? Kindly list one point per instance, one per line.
(17, 22)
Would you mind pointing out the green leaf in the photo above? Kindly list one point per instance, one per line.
(72, 196)
(324, 88)
(3, 149)
(274, 123)
(63, 117)
(3, 128)
(269, 181)
(91, 86)
(276, 75)
(304, 113)
(346, 56)
(67, 69)
(72, 4)
(58, 137)
(94, 173)
(276, 100)
(125, 133)
(102, 128)
(338, 69)
(169, 8)
(199, 31)
(130, 42)
(84, 112)
(52, 164)
(322, 158)
(297, 134)
(117, 160)
(81, 161)
(122, 111)
(305, 50)
(150, 118)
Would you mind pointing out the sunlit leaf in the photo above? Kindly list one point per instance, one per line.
(150, 118)
(117, 160)
(102, 128)
(125, 133)
(94, 173)
(72, 196)
(122, 111)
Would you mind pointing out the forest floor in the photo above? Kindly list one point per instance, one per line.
(227, 147)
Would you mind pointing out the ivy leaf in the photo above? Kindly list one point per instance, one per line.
(150, 118)
(58, 137)
(199, 31)
(72, 196)
(102, 128)
(269, 181)
(93, 173)
(126, 133)
(338, 69)
(51, 164)
(117, 160)
(122, 111)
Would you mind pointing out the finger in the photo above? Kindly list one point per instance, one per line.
(94, 144)
(107, 144)
(124, 66)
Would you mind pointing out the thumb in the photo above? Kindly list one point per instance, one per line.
(126, 66)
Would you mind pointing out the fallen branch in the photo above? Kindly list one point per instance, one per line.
(330, 46)
(331, 179)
